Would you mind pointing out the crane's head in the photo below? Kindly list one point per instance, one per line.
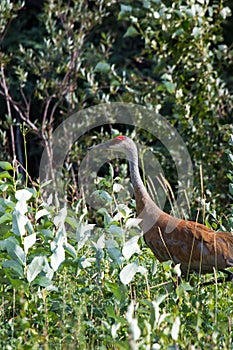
(119, 143)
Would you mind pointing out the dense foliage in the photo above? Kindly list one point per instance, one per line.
(75, 278)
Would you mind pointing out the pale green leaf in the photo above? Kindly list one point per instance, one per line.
(133, 222)
(57, 257)
(7, 217)
(6, 166)
(128, 272)
(131, 247)
(18, 223)
(17, 253)
(70, 249)
(23, 195)
(102, 67)
(29, 241)
(135, 330)
(41, 213)
(131, 32)
(114, 252)
(5, 175)
(175, 328)
(34, 268)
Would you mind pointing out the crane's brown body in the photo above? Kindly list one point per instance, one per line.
(194, 246)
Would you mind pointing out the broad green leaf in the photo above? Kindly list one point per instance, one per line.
(43, 281)
(133, 222)
(23, 195)
(87, 262)
(128, 272)
(18, 223)
(170, 87)
(196, 32)
(135, 330)
(41, 213)
(29, 227)
(116, 230)
(57, 257)
(115, 254)
(83, 234)
(142, 270)
(59, 219)
(126, 8)
(102, 67)
(117, 188)
(70, 249)
(7, 217)
(119, 290)
(34, 268)
(6, 204)
(72, 222)
(105, 196)
(5, 175)
(6, 166)
(175, 328)
(11, 245)
(131, 247)
(8, 243)
(131, 32)
(47, 269)
(29, 241)
(177, 270)
(125, 11)
(17, 253)
(14, 265)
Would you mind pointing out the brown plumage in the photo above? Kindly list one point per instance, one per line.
(194, 246)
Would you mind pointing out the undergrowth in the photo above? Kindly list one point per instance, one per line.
(68, 284)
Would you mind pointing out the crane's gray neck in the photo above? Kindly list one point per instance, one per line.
(147, 210)
(135, 176)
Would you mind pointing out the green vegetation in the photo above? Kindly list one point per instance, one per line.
(65, 284)
(75, 278)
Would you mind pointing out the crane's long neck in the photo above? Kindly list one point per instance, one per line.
(147, 210)
(143, 200)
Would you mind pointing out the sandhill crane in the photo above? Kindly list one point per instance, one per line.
(194, 246)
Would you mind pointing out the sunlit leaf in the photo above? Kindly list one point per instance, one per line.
(135, 330)
(34, 268)
(131, 247)
(57, 257)
(133, 222)
(70, 249)
(18, 223)
(175, 328)
(5, 175)
(128, 272)
(41, 213)
(29, 241)
(14, 250)
(6, 166)
(23, 195)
